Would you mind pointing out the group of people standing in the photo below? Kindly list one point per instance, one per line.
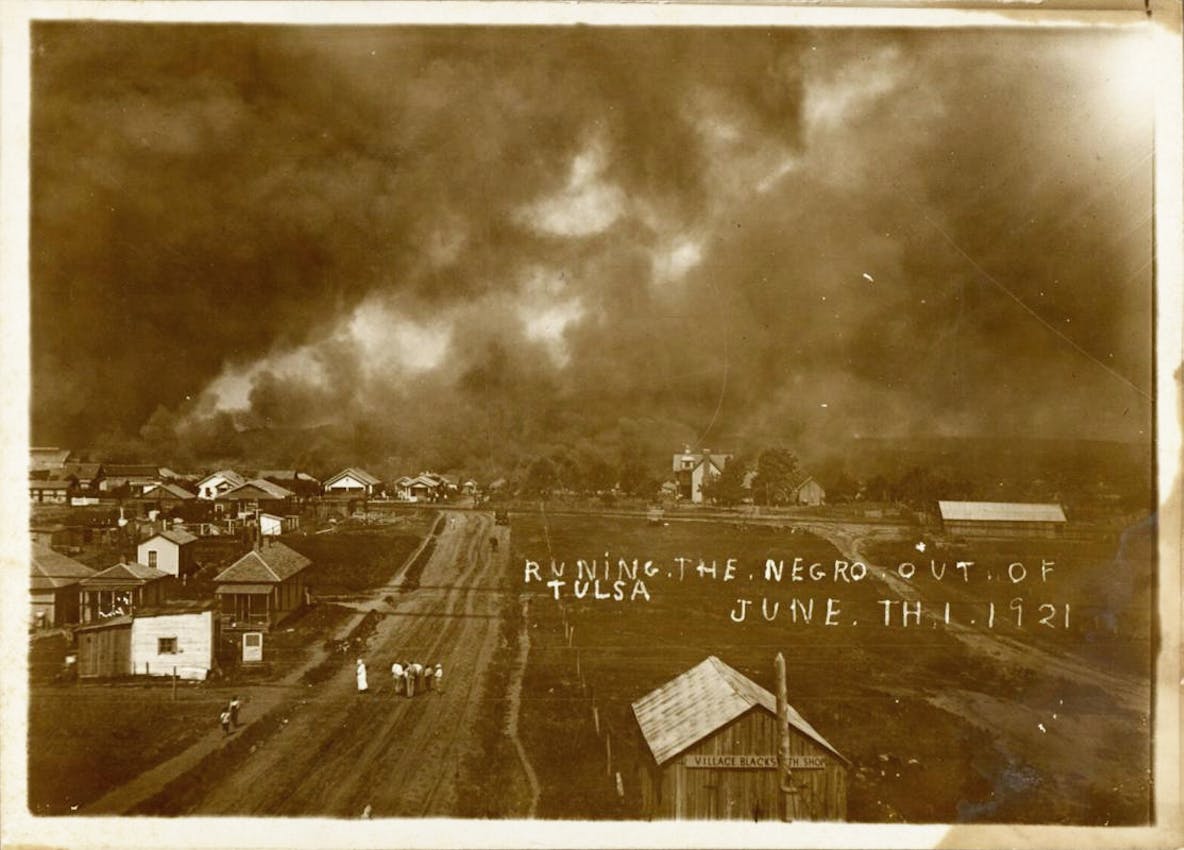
(408, 677)
(412, 676)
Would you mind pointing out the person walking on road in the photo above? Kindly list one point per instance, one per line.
(224, 718)
(411, 679)
(233, 708)
(439, 677)
(362, 686)
(397, 675)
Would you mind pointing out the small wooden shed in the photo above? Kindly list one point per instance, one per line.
(105, 648)
(712, 740)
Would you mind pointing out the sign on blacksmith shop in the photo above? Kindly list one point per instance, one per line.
(753, 762)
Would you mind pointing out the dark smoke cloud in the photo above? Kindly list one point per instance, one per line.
(456, 243)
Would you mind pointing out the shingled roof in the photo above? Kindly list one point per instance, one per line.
(167, 491)
(700, 701)
(49, 569)
(256, 488)
(124, 575)
(357, 474)
(273, 563)
(174, 535)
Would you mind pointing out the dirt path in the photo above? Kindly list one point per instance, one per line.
(515, 699)
(338, 751)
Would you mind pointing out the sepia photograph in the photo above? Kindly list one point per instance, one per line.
(627, 423)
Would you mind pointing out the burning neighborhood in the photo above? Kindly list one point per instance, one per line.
(603, 423)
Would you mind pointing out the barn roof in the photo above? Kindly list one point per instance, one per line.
(274, 563)
(49, 569)
(702, 700)
(355, 473)
(47, 457)
(1002, 511)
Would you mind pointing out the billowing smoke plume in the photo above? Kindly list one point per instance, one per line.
(450, 244)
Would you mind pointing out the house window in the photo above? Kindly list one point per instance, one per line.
(152, 558)
(166, 646)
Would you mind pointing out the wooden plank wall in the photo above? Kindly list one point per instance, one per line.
(685, 793)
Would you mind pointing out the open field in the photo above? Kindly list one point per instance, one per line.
(941, 723)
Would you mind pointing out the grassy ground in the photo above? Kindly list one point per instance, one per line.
(879, 694)
(87, 739)
(355, 559)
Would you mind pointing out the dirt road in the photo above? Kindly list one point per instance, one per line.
(339, 751)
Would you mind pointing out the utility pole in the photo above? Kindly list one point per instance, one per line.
(785, 778)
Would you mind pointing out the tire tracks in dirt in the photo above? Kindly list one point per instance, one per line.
(343, 751)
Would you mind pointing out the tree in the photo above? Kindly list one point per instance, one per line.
(776, 477)
(727, 488)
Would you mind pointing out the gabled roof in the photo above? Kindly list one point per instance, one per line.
(81, 471)
(47, 457)
(1002, 511)
(403, 480)
(174, 535)
(273, 563)
(702, 700)
(424, 481)
(256, 488)
(167, 491)
(355, 473)
(124, 575)
(49, 569)
(228, 475)
(802, 479)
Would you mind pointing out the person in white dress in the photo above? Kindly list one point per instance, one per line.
(362, 686)
(397, 675)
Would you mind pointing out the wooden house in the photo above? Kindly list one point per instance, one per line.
(121, 589)
(217, 483)
(353, 482)
(693, 469)
(53, 491)
(179, 638)
(1001, 519)
(250, 497)
(303, 485)
(261, 588)
(48, 458)
(807, 491)
(167, 495)
(133, 479)
(54, 587)
(710, 742)
(170, 551)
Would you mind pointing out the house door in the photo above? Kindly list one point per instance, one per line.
(252, 647)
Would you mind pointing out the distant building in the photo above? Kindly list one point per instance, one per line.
(303, 485)
(807, 491)
(49, 492)
(48, 458)
(1001, 519)
(255, 495)
(170, 551)
(218, 482)
(54, 587)
(273, 525)
(693, 469)
(135, 477)
(167, 497)
(712, 738)
(353, 482)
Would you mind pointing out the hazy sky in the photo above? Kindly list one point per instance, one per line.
(750, 232)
